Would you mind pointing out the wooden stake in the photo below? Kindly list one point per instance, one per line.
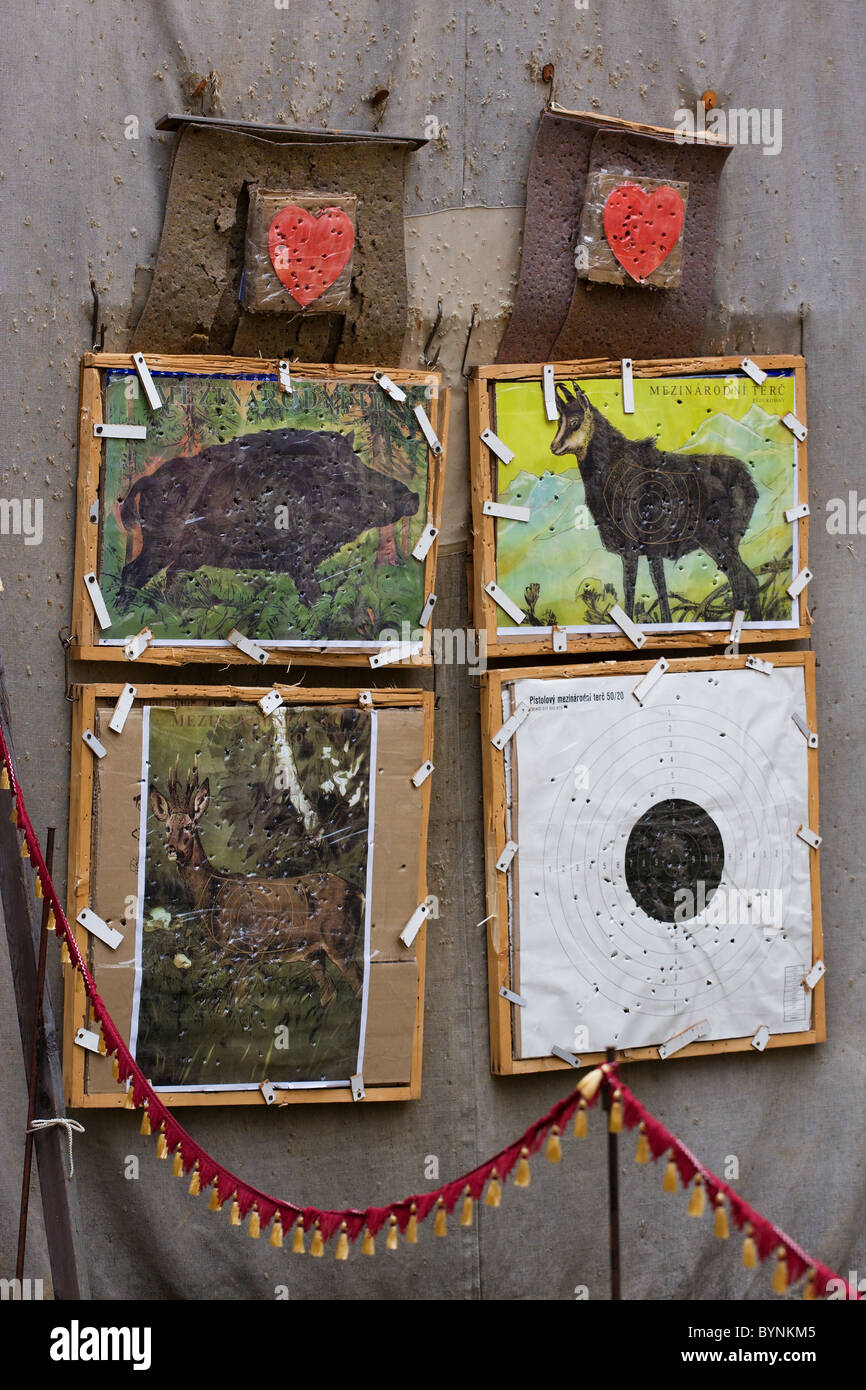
(36, 1041)
(612, 1191)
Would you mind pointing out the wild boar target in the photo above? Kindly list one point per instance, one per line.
(289, 516)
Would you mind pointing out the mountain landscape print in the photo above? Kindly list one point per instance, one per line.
(560, 569)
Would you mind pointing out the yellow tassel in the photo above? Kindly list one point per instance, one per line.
(412, 1228)
(494, 1190)
(145, 1123)
(642, 1152)
(614, 1124)
(215, 1204)
(589, 1084)
(368, 1246)
(750, 1250)
(553, 1152)
(780, 1273)
(276, 1236)
(522, 1177)
(25, 852)
(51, 924)
(195, 1181)
(342, 1251)
(161, 1145)
(14, 816)
(37, 887)
(440, 1226)
(103, 1050)
(235, 1214)
(698, 1200)
(466, 1213)
(809, 1287)
(4, 779)
(177, 1166)
(393, 1234)
(669, 1182)
(580, 1120)
(721, 1218)
(115, 1068)
(318, 1246)
(298, 1242)
(129, 1102)
(65, 957)
(255, 1226)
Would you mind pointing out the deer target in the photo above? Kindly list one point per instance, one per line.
(315, 917)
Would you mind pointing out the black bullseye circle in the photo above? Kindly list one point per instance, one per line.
(674, 845)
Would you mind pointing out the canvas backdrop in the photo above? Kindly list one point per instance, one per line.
(77, 195)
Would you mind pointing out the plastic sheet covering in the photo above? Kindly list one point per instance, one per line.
(298, 252)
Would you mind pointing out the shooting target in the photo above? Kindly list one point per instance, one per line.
(259, 864)
(652, 507)
(659, 884)
(678, 510)
(673, 845)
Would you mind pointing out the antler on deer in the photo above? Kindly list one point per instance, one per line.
(192, 785)
(192, 782)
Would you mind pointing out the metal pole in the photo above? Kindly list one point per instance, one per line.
(612, 1192)
(36, 1046)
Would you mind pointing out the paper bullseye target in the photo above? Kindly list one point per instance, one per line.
(660, 883)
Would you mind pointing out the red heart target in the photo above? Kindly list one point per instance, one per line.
(642, 229)
(309, 250)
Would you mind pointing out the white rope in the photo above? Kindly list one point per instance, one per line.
(68, 1125)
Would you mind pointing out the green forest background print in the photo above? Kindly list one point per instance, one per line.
(289, 795)
(370, 583)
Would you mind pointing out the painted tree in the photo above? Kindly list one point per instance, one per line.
(221, 407)
(294, 792)
(388, 435)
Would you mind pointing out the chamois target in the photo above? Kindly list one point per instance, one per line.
(658, 503)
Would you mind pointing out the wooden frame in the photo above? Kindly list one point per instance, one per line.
(86, 645)
(706, 137)
(76, 1008)
(503, 1061)
(483, 465)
